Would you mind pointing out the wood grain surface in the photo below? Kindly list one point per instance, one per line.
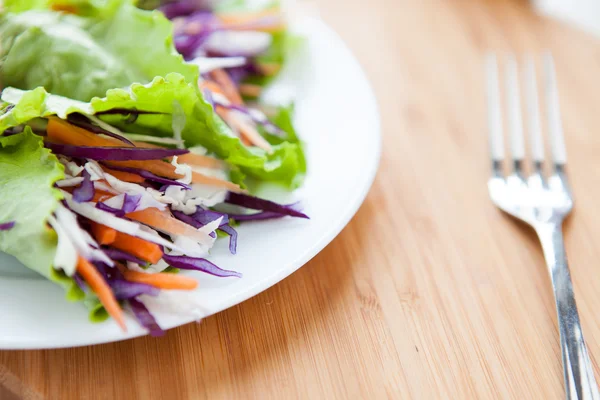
(430, 292)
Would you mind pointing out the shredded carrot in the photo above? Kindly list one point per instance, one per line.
(103, 234)
(212, 86)
(167, 170)
(63, 132)
(224, 80)
(198, 160)
(241, 21)
(225, 115)
(162, 280)
(100, 196)
(247, 131)
(97, 283)
(156, 167)
(64, 8)
(250, 90)
(140, 248)
(165, 222)
(193, 159)
(209, 180)
(269, 69)
(124, 176)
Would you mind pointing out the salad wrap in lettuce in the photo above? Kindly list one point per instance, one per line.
(128, 134)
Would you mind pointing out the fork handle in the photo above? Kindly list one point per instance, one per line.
(580, 383)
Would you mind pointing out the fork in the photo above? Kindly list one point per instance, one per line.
(541, 202)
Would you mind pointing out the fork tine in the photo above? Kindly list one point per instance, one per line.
(533, 111)
(515, 122)
(495, 129)
(557, 141)
(536, 179)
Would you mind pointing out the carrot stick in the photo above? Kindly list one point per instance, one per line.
(198, 160)
(223, 79)
(157, 167)
(162, 280)
(103, 234)
(167, 170)
(225, 114)
(212, 86)
(193, 159)
(63, 132)
(124, 176)
(100, 196)
(102, 290)
(242, 21)
(250, 90)
(269, 69)
(247, 131)
(140, 248)
(164, 222)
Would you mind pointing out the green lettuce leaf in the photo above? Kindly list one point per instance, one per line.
(168, 96)
(111, 45)
(27, 174)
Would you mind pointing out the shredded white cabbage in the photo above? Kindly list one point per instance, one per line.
(104, 125)
(105, 218)
(208, 64)
(83, 243)
(71, 167)
(70, 182)
(182, 169)
(104, 187)
(174, 302)
(239, 42)
(66, 254)
(153, 139)
(178, 123)
(150, 198)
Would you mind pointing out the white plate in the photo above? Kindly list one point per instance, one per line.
(336, 114)
(582, 13)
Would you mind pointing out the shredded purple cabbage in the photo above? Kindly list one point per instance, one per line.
(261, 216)
(84, 123)
(145, 318)
(198, 264)
(128, 111)
(183, 8)
(84, 192)
(209, 97)
(150, 176)
(126, 290)
(205, 217)
(7, 225)
(112, 210)
(189, 219)
(255, 203)
(103, 269)
(113, 153)
(80, 282)
(131, 202)
(233, 237)
(197, 28)
(119, 255)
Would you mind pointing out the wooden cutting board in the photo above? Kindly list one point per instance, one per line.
(430, 292)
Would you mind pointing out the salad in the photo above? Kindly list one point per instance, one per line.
(130, 135)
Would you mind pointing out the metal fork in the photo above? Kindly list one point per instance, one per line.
(541, 202)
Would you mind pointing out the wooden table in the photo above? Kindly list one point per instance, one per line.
(429, 292)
